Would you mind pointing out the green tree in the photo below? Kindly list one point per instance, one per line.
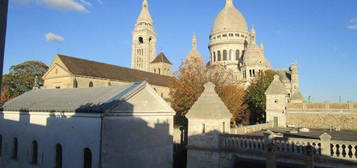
(255, 96)
(20, 78)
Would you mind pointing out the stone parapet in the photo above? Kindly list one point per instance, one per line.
(322, 106)
(251, 128)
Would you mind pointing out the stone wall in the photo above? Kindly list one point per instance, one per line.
(323, 115)
(251, 128)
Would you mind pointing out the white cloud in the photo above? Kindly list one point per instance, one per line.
(353, 20)
(53, 37)
(353, 25)
(66, 5)
(84, 2)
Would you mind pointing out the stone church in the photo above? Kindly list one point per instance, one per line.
(232, 45)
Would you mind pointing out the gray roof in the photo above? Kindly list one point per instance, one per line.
(87, 100)
(209, 105)
(276, 87)
(297, 95)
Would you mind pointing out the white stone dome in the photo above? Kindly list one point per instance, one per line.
(229, 19)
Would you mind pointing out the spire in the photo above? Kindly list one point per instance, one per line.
(194, 41)
(145, 14)
(252, 30)
(229, 2)
(262, 46)
(36, 83)
(253, 35)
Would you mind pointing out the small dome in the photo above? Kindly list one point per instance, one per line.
(254, 55)
(229, 19)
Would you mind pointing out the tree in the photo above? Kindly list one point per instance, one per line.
(20, 78)
(187, 87)
(233, 97)
(255, 96)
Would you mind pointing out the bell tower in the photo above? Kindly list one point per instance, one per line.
(143, 40)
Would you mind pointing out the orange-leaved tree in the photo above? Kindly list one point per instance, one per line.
(187, 87)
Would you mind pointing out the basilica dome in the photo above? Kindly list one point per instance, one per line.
(229, 19)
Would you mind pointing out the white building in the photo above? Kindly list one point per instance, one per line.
(117, 126)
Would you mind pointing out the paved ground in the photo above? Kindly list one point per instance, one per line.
(345, 135)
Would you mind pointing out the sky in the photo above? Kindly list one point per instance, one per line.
(319, 35)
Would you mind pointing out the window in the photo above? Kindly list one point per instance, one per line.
(230, 34)
(159, 71)
(276, 101)
(250, 73)
(58, 156)
(109, 84)
(237, 55)
(58, 87)
(15, 149)
(0, 145)
(230, 54)
(75, 84)
(87, 158)
(203, 128)
(34, 152)
(254, 72)
(162, 95)
(224, 127)
(219, 55)
(90, 84)
(244, 74)
(224, 35)
(214, 56)
(140, 40)
(224, 55)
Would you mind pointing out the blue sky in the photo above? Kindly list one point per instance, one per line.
(320, 35)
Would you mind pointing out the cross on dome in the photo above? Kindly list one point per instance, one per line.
(229, 2)
(194, 41)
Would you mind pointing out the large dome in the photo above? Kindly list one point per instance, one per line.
(229, 19)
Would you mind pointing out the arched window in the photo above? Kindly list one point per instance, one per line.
(154, 70)
(219, 55)
(224, 127)
(0, 145)
(214, 56)
(203, 128)
(90, 84)
(75, 84)
(109, 84)
(162, 95)
(87, 162)
(14, 149)
(250, 73)
(58, 156)
(224, 55)
(159, 71)
(237, 55)
(230, 54)
(140, 40)
(34, 152)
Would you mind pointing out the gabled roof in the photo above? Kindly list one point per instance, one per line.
(161, 58)
(276, 87)
(82, 67)
(209, 105)
(90, 100)
(297, 96)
